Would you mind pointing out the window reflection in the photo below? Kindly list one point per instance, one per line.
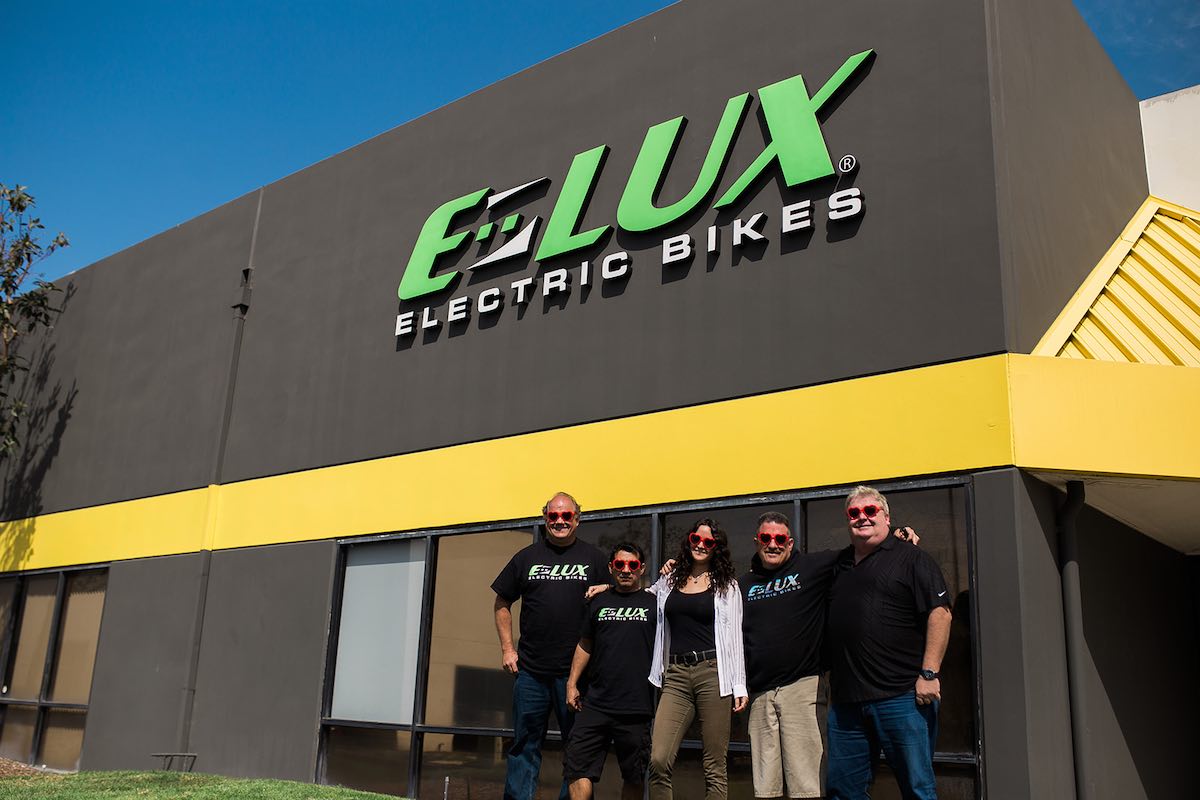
(82, 607)
(16, 735)
(462, 766)
(33, 638)
(62, 739)
(367, 759)
(466, 684)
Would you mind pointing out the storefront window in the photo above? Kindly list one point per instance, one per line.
(82, 606)
(33, 728)
(467, 686)
(16, 735)
(368, 759)
(33, 637)
(379, 634)
(460, 766)
(461, 743)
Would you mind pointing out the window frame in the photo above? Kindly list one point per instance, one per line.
(10, 635)
(798, 499)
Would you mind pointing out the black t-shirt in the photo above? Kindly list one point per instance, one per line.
(550, 581)
(783, 618)
(692, 618)
(878, 611)
(621, 628)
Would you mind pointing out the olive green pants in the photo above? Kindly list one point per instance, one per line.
(686, 691)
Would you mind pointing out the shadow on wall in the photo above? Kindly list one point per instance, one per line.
(1144, 649)
(47, 412)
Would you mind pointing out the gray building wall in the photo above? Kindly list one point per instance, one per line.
(1142, 651)
(999, 154)
(1025, 715)
(127, 393)
(1070, 169)
(142, 662)
(262, 661)
(1142, 661)
(1169, 125)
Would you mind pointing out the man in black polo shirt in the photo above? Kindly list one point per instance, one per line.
(889, 622)
(784, 599)
(616, 648)
(550, 578)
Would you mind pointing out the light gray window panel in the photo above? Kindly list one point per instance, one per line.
(375, 675)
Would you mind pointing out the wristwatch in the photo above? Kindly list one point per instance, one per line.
(928, 674)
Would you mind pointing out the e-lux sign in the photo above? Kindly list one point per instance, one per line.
(795, 146)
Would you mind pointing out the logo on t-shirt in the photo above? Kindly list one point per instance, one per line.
(623, 615)
(558, 572)
(764, 591)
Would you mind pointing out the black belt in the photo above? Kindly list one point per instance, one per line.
(693, 658)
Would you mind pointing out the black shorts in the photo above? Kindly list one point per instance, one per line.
(591, 734)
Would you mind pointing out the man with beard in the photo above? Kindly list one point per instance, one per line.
(550, 577)
(784, 596)
(616, 649)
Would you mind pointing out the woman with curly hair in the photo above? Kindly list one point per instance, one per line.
(698, 659)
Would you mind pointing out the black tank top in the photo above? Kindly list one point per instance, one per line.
(691, 619)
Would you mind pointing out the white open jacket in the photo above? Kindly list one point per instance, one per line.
(727, 629)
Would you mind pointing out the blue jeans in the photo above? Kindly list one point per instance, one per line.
(533, 700)
(904, 731)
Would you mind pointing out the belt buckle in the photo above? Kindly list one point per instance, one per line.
(693, 658)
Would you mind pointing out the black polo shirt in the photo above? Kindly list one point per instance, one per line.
(550, 582)
(621, 629)
(878, 611)
(783, 618)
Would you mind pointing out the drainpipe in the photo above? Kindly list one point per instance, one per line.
(1068, 560)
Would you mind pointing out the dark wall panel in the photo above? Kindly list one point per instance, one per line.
(1026, 717)
(258, 690)
(1142, 662)
(916, 280)
(142, 662)
(1070, 168)
(129, 389)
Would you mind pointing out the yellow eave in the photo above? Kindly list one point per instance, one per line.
(1141, 304)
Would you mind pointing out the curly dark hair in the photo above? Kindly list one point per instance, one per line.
(721, 574)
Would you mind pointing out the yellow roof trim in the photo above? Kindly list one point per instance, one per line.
(1141, 303)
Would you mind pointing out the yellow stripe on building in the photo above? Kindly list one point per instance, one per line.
(1050, 414)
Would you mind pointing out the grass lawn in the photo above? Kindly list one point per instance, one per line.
(167, 786)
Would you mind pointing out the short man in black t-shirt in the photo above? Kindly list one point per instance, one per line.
(616, 648)
(889, 622)
(550, 578)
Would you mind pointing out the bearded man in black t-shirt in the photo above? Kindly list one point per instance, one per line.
(550, 578)
(616, 649)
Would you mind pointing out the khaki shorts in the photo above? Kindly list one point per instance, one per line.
(785, 740)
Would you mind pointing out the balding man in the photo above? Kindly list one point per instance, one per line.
(550, 577)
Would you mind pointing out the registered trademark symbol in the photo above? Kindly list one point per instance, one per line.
(848, 163)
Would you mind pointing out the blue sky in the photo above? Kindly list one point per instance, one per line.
(128, 118)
